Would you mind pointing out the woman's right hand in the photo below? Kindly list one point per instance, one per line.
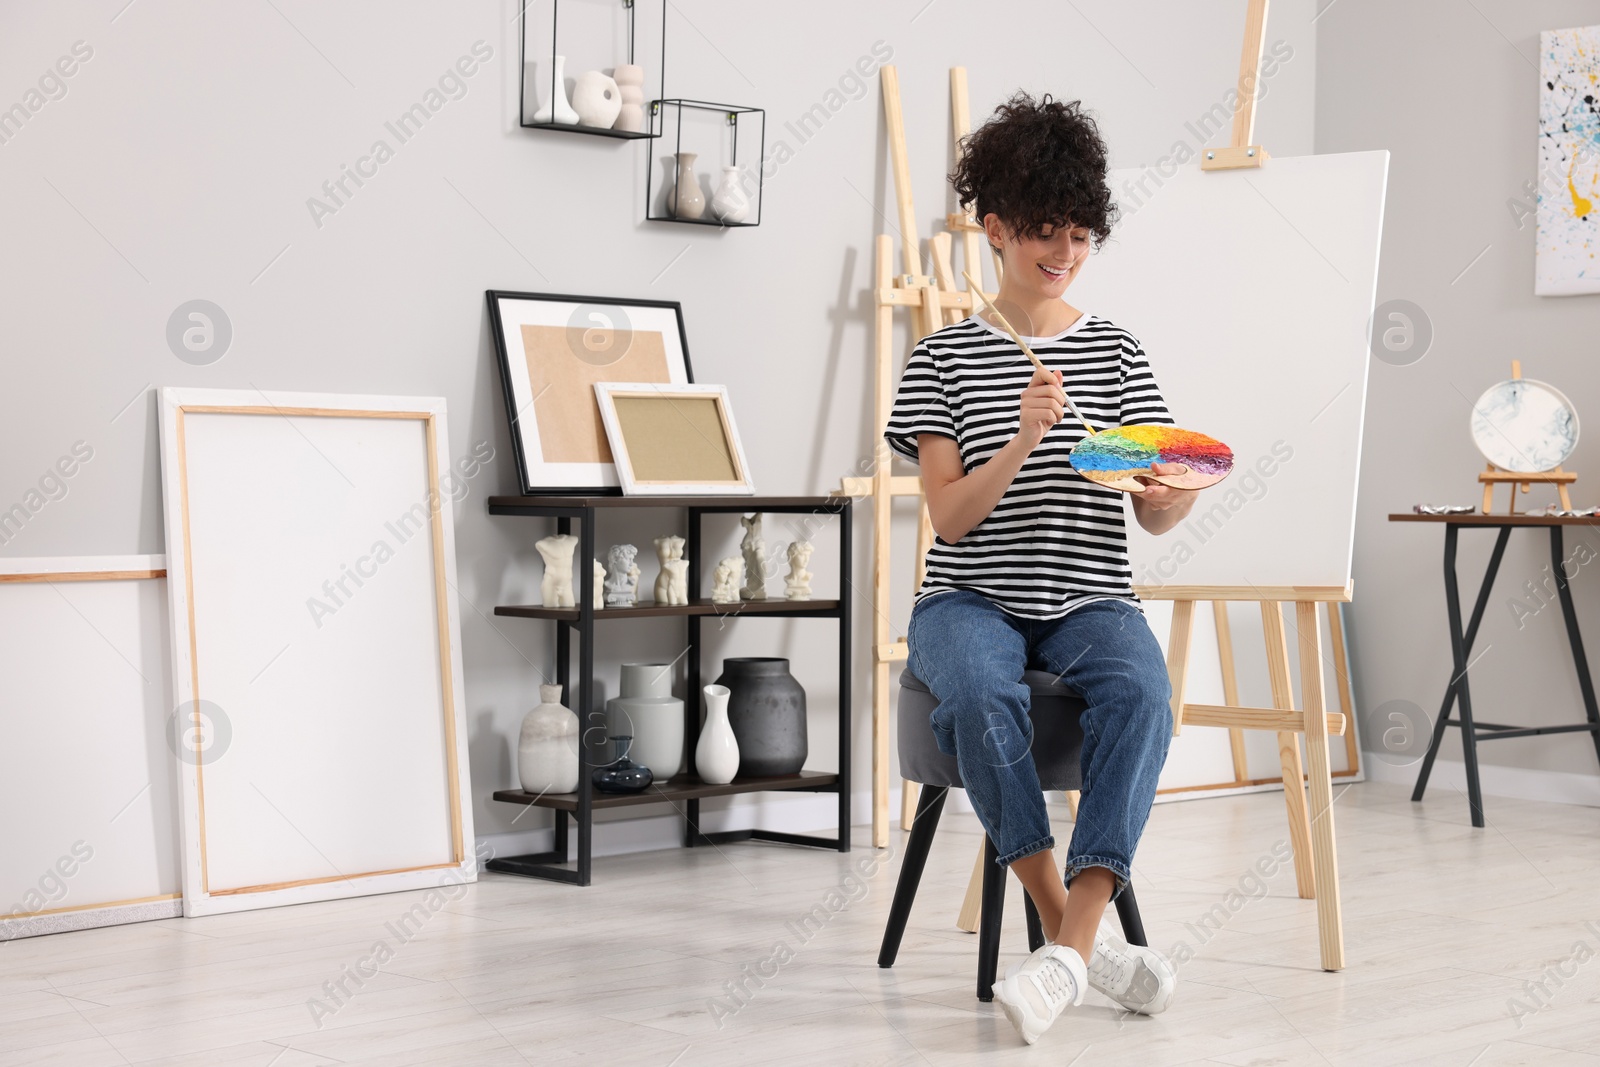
(1043, 404)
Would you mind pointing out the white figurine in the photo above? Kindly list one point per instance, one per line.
(599, 584)
(725, 581)
(669, 550)
(677, 581)
(620, 576)
(555, 591)
(798, 584)
(755, 559)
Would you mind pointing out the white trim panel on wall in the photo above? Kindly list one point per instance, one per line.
(91, 826)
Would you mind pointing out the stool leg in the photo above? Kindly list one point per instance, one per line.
(994, 902)
(1035, 927)
(1128, 912)
(929, 806)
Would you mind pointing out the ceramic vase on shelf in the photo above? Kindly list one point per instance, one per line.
(684, 199)
(630, 85)
(563, 110)
(596, 99)
(547, 750)
(729, 203)
(767, 713)
(647, 711)
(716, 757)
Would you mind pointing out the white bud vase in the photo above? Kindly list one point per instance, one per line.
(716, 757)
(729, 203)
(547, 750)
(563, 110)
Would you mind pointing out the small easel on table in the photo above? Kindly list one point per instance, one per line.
(1495, 476)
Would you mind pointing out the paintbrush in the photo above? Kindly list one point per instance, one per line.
(1005, 324)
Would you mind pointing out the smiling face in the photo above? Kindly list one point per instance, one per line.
(1039, 268)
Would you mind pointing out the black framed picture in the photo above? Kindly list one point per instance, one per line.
(552, 351)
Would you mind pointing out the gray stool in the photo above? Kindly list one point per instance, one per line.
(1057, 747)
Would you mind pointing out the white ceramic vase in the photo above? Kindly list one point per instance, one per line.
(716, 757)
(630, 84)
(647, 711)
(563, 110)
(547, 750)
(729, 203)
(684, 199)
(596, 99)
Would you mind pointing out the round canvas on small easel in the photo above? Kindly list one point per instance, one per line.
(1524, 425)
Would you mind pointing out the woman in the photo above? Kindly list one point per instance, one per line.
(1030, 565)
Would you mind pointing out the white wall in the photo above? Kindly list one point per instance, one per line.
(1452, 90)
(180, 160)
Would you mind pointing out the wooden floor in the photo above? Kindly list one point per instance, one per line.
(1444, 925)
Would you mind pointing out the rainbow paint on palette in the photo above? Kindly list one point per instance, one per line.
(1116, 456)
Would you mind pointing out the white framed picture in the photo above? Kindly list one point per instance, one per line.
(552, 351)
(673, 439)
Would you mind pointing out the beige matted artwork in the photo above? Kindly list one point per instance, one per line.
(673, 439)
(553, 350)
(569, 426)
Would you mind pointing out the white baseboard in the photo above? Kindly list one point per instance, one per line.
(1560, 787)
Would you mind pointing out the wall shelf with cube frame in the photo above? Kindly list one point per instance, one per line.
(729, 125)
(543, 79)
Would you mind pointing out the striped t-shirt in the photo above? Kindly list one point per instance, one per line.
(1055, 541)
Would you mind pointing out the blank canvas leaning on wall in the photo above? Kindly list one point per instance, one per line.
(91, 830)
(312, 585)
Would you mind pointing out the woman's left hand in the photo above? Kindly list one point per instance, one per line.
(1160, 497)
(1161, 507)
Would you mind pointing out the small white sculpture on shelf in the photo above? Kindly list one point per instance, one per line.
(622, 576)
(798, 584)
(725, 581)
(671, 583)
(677, 581)
(755, 559)
(599, 584)
(555, 591)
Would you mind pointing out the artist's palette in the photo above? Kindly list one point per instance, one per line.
(1119, 456)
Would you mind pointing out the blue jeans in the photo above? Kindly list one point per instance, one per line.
(971, 654)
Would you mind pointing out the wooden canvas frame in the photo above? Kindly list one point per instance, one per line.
(656, 324)
(116, 769)
(617, 424)
(353, 429)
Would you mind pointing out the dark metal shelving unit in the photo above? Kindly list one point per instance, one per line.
(685, 789)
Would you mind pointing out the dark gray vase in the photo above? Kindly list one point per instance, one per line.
(767, 710)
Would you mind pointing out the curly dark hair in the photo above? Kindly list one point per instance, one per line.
(1038, 163)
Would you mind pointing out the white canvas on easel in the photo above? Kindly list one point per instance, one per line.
(1251, 291)
(312, 585)
(88, 691)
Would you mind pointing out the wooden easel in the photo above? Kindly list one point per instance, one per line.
(934, 301)
(1310, 826)
(1495, 476)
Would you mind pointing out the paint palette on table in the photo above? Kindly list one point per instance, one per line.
(1119, 456)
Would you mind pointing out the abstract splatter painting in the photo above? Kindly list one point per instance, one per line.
(1569, 163)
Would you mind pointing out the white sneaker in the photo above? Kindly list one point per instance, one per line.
(1140, 979)
(1039, 989)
